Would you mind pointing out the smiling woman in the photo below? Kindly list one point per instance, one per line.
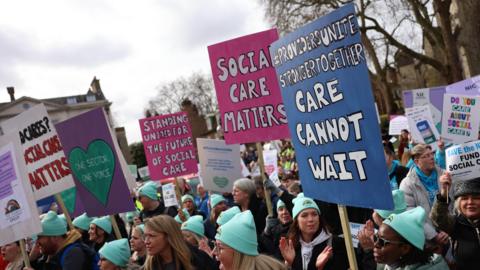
(463, 227)
(400, 242)
(166, 248)
(309, 245)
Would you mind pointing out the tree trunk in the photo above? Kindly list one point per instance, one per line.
(454, 66)
(468, 16)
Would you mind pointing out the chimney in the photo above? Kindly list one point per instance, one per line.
(95, 86)
(11, 92)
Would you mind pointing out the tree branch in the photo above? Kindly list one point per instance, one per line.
(421, 57)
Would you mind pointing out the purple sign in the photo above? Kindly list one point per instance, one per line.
(7, 175)
(433, 97)
(467, 87)
(97, 172)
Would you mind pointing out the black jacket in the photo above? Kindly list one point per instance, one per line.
(271, 241)
(465, 235)
(160, 210)
(259, 212)
(339, 260)
(400, 172)
(75, 259)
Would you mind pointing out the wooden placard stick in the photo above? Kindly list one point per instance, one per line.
(61, 203)
(26, 259)
(268, 199)
(347, 235)
(116, 230)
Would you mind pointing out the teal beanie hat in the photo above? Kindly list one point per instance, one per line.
(187, 197)
(149, 190)
(216, 199)
(53, 225)
(280, 204)
(301, 203)
(185, 212)
(82, 222)
(130, 215)
(398, 202)
(226, 215)
(63, 218)
(240, 234)
(409, 225)
(104, 223)
(117, 252)
(194, 224)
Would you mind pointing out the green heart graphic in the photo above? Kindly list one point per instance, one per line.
(69, 196)
(220, 181)
(94, 169)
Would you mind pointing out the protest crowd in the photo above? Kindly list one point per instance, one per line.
(233, 230)
(251, 203)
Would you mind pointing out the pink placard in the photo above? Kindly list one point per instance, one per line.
(168, 144)
(247, 89)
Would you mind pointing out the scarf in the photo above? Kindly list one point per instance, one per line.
(429, 182)
(392, 176)
(307, 248)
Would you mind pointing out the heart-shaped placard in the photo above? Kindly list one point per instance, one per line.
(69, 196)
(94, 169)
(220, 181)
(269, 169)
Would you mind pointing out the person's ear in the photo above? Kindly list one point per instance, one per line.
(405, 249)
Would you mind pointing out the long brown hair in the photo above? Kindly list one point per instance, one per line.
(180, 250)
(294, 232)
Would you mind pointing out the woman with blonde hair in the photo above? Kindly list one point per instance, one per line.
(166, 248)
(137, 245)
(236, 246)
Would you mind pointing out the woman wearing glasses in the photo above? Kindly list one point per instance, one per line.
(310, 245)
(420, 186)
(166, 248)
(236, 246)
(400, 241)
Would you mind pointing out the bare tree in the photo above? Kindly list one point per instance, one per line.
(198, 88)
(396, 26)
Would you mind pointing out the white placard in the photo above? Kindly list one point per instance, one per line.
(19, 216)
(220, 164)
(169, 196)
(463, 161)
(47, 167)
(270, 160)
(144, 172)
(421, 125)
(461, 118)
(397, 124)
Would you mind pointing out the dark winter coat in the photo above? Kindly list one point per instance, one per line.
(339, 260)
(464, 233)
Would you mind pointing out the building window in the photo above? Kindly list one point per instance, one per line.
(91, 98)
(72, 100)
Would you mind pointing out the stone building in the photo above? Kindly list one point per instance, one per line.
(63, 108)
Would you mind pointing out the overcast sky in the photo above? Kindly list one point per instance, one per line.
(55, 47)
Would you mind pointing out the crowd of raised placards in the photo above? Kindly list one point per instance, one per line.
(233, 231)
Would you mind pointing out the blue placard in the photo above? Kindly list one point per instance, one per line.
(326, 90)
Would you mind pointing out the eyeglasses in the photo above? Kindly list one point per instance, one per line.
(383, 242)
(218, 247)
(427, 155)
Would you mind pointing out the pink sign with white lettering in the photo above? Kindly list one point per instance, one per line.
(168, 144)
(247, 89)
